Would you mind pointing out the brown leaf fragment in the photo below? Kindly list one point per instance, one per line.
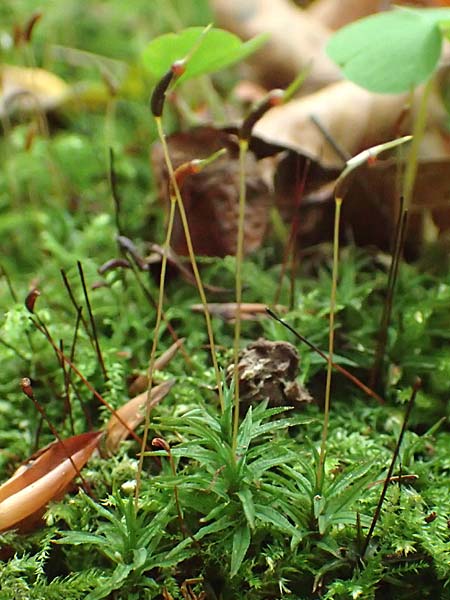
(25, 495)
(372, 202)
(334, 14)
(133, 413)
(297, 41)
(211, 197)
(250, 311)
(140, 384)
(268, 371)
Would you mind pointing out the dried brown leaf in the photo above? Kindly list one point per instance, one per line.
(211, 197)
(25, 495)
(297, 41)
(140, 384)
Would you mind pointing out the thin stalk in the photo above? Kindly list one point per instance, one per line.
(376, 516)
(40, 327)
(198, 279)
(418, 131)
(67, 402)
(75, 305)
(243, 148)
(154, 304)
(151, 364)
(92, 321)
(326, 416)
(115, 193)
(290, 248)
(387, 309)
(273, 98)
(161, 443)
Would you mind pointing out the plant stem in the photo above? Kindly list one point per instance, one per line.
(326, 416)
(387, 309)
(413, 155)
(198, 279)
(151, 363)
(243, 147)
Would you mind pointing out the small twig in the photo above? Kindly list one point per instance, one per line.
(334, 144)
(90, 387)
(362, 386)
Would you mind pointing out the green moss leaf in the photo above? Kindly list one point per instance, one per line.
(217, 49)
(390, 52)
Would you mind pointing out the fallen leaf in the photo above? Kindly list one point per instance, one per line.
(133, 413)
(297, 41)
(291, 124)
(30, 90)
(140, 384)
(353, 117)
(372, 217)
(211, 197)
(371, 205)
(25, 495)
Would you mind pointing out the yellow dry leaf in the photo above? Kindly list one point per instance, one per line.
(29, 89)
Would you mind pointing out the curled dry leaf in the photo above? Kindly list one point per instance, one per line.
(355, 118)
(268, 371)
(211, 197)
(297, 41)
(25, 495)
(30, 90)
(250, 311)
(133, 413)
